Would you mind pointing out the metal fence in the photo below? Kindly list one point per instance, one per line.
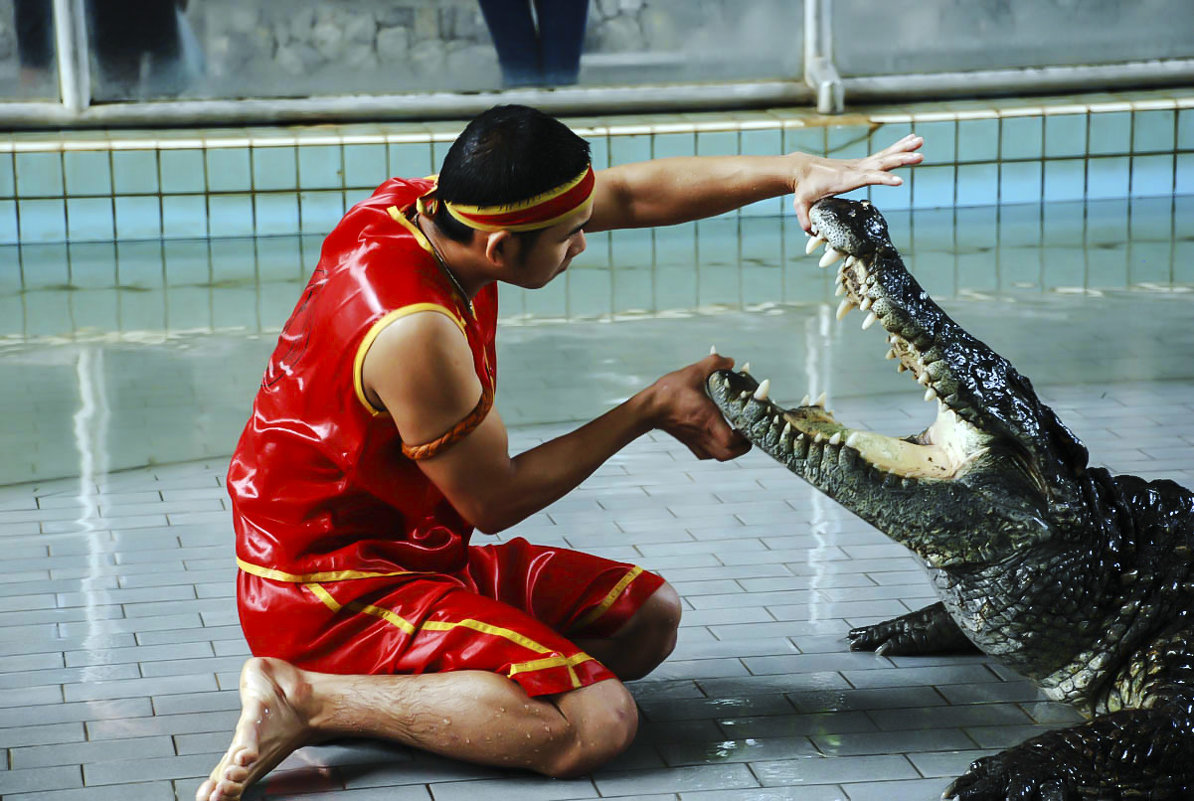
(94, 63)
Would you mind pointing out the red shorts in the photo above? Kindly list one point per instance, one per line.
(514, 610)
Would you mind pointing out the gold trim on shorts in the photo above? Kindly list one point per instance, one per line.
(313, 583)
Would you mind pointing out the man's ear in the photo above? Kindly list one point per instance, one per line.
(500, 248)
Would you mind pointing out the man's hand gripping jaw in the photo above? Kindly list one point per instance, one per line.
(682, 408)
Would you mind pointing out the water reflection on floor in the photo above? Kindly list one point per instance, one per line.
(149, 353)
(123, 404)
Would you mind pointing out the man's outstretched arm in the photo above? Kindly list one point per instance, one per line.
(420, 369)
(675, 190)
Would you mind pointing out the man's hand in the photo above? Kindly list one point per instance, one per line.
(819, 177)
(681, 408)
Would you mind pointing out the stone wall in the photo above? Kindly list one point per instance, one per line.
(412, 45)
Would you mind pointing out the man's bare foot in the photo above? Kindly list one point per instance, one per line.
(273, 723)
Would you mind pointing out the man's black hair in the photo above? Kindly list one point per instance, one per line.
(505, 155)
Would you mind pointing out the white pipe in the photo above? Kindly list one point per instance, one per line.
(70, 41)
(442, 105)
(813, 40)
(820, 73)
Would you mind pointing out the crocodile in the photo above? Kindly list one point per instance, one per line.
(1077, 578)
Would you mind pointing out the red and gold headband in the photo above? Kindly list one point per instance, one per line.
(541, 211)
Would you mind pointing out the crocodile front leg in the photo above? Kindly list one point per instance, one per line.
(926, 631)
(1144, 752)
(1131, 754)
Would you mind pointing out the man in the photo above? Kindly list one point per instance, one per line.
(373, 452)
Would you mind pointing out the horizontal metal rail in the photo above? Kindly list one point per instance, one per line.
(441, 105)
(821, 86)
(1034, 80)
(605, 100)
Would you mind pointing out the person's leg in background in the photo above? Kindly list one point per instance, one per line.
(163, 45)
(136, 44)
(35, 40)
(515, 39)
(561, 38)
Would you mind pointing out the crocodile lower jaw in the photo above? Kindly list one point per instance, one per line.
(941, 451)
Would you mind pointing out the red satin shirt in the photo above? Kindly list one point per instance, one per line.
(318, 481)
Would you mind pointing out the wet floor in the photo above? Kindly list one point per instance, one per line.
(149, 353)
(124, 382)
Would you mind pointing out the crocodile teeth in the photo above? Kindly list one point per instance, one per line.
(815, 241)
(744, 394)
(866, 304)
(764, 388)
(840, 278)
(819, 437)
(836, 439)
(820, 400)
(930, 394)
(745, 368)
(830, 257)
(923, 379)
(891, 354)
(806, 401)
(713, 350)
(852, 440)
(787, 432)
(869, 321)
(901, 367)
(844, 308)
(841, 290)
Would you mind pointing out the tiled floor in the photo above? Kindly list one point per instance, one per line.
(119, 647)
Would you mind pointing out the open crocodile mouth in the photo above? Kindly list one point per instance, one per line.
(941, 451)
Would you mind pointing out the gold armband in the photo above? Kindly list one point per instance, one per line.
(457, 432)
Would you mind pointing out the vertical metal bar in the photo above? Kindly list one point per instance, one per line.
(813, 33)
(70, 40)
(820, 72)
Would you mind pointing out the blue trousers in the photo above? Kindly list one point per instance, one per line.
(543, 55)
